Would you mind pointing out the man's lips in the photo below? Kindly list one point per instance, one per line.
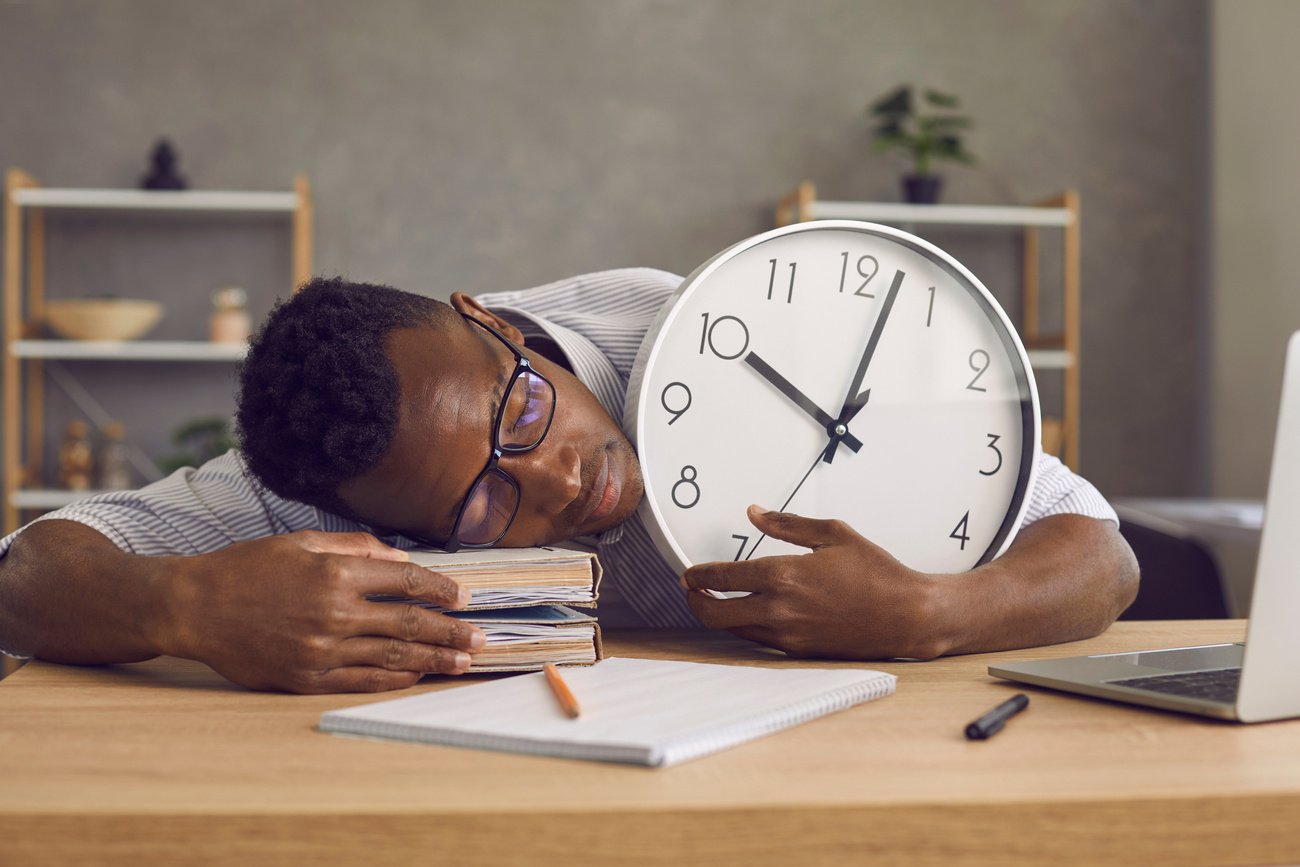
(604, 493)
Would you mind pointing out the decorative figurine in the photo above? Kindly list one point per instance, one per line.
(113, 464)
(230, 322)
(76, 457)
(163, 175)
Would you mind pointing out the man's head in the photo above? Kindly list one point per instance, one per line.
(379, 405)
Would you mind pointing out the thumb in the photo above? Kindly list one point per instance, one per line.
(797, 530)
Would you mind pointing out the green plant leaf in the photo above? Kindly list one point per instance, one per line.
(884, 143)
(200, 440)
(897, 102)
(945, 122)
(888, 129)
(950, 148)
(942, 100)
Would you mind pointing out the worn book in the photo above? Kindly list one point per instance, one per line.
(525, 601)
(653, 712)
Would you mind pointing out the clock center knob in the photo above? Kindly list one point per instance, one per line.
(840, 430)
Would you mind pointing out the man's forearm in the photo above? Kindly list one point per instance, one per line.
(1066, 577)
(68, 594)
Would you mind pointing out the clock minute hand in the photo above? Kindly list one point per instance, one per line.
(802, 401)
(855, 400)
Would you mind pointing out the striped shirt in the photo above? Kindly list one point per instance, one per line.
(598, 321)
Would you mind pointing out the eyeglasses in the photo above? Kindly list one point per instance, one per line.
(522, 421)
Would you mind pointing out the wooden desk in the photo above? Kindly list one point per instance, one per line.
(163, 762)
(1210, 520)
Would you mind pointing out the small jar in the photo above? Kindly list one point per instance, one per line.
(230, 321)
(114, 464)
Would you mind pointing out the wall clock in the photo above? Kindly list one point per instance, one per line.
(836, 369)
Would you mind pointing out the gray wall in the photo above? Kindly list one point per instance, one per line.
(485, 145)
(1256, 186)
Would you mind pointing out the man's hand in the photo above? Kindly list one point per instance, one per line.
(1064, 578)
(290, 613)
(847, 599)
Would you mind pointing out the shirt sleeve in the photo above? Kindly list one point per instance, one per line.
(1058, 491)
(192, 511)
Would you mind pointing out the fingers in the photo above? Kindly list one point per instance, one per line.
(394, 654)
(350, 544)
(411, 623)
(412, 580)
(731, 613)
(740, 576)
(798, 530)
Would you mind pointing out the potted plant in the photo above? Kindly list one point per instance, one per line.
(929, 127)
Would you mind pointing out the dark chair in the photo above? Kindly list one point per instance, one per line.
(1180, 577)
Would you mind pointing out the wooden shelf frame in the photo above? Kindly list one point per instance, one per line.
(1057, 351)
(23, 377)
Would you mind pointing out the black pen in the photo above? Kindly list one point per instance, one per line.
(993, 721)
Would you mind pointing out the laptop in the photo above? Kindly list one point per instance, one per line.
(1251, 682)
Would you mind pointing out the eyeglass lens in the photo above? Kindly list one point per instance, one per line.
(528, 405)
(491, 504)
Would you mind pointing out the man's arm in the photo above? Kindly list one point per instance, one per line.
(1065, 577)
(284, 612)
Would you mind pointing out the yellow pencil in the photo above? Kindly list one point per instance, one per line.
(568, 703)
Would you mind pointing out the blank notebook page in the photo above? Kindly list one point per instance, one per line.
(641, 711)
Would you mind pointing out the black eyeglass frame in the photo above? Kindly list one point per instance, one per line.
(453, 543)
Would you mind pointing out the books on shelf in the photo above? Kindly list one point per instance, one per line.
(525, 601)
(639, 711)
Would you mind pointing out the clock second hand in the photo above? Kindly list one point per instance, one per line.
(853, 401)
(817, 460)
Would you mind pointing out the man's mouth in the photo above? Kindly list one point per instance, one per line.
(605, 492)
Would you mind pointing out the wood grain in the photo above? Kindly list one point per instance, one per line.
(164, 761)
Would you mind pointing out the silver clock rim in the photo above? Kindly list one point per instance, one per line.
(634, 414)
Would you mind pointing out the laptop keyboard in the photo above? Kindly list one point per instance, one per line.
(1218, 684)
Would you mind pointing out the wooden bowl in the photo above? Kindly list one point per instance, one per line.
(102, 318)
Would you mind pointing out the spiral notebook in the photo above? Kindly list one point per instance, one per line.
(637, 711)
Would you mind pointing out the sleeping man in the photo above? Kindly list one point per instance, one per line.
(373, 420)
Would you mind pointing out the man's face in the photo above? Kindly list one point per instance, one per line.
(583, 478)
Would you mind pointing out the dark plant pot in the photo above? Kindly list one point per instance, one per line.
(921, 189)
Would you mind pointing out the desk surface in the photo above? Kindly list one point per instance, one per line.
(1213, 520)
(164, 761)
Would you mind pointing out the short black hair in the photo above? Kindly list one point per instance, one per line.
(318, 396)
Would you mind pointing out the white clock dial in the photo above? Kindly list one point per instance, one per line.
(852, 336)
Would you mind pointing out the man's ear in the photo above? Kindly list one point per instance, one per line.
(466, 305)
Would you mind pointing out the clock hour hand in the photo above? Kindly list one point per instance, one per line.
(855, 400)
(834, 429)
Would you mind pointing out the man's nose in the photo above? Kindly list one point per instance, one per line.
(549, 478)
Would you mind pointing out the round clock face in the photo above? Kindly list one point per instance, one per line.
(835, 369)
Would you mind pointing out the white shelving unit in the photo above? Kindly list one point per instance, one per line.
(940, 215)
(26, 204)
(1058, 351)
(235, 201)
(145, 350)
(46, 499)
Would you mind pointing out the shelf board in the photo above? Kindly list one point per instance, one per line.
(130, 350)
(1049, 359)
(238, 201)
(952, 215)
(54, 498)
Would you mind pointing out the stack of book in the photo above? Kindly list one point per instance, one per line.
(526, 601)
